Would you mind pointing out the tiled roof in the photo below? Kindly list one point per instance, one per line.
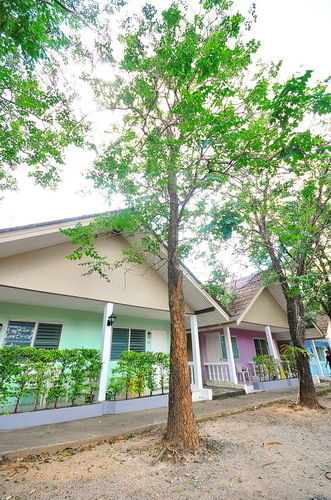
(246, 289)
(322, 322)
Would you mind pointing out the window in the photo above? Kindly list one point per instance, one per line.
(321, 353)
(28, 333)
(261, 346)
(234, 347)
(127, 339)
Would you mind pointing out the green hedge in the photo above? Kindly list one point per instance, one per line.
(269, 368)
(137, 373)
(48, 376)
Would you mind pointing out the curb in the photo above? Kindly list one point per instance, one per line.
(39, 450)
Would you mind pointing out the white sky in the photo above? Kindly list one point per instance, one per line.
(296, 31)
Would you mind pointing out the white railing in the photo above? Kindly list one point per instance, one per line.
(276, 370)
(217, 371)
(191, 370)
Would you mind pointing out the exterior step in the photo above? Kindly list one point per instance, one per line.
(224, 393)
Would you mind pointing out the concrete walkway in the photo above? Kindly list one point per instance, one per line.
(52, 437)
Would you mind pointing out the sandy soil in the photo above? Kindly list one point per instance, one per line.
(243, 468)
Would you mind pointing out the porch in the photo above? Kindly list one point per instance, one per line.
(54, 321)
(227, 356)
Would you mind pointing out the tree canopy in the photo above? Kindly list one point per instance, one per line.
(36, 118)
(280, 205)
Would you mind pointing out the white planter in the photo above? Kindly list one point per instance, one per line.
(53, 416)
(276, 384)
(136, 404)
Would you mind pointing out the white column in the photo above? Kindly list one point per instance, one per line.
(319, 366)
(271, 344)
(196, 352)
(229, 350)
(105, 352)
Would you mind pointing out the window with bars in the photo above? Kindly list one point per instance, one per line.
(127, 339)
(261, 346)
(234, 347)
(31, 333)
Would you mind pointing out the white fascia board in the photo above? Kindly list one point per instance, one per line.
(33, 231)
(186, 276)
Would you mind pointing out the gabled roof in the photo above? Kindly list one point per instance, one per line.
(321, 322)
(31, 237)
(247, 290)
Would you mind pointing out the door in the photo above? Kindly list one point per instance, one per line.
(160, 342)
(213, 346)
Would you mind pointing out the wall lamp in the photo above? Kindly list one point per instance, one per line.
(111, 319)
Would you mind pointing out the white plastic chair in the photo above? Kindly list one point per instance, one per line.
(243, 372)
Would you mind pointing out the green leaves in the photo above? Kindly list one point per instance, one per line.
(135, 372)
(32, 27)
(48, 374)
(216, 287)
(36, 118)
(223, 222)
(172, 16)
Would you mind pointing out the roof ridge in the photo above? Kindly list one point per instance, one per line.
(247, 280)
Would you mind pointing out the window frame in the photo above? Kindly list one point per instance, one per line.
(221, 352)
(36, 323)
(264, 340)
(129, 339)
(320, 348)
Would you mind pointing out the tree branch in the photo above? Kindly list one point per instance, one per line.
(61, 5)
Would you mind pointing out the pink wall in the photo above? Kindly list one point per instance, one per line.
(244, 340)
(246, 344)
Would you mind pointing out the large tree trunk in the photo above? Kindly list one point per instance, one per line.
(181, 431)
(296, 321)
(297, 325)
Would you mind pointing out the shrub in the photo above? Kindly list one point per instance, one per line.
(267, 366)
(51, 375)
(137, 371)
(115, 387)
(162, 362)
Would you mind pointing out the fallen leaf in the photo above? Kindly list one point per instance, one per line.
(268, 463)
(271, 442)
(15, 468)
(328, 475)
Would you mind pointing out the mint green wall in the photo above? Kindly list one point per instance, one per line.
(145, 324)
(80, 329)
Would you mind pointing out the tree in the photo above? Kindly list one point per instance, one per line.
(178, 86)
(36, 117)
(282, 205)
(316, 285)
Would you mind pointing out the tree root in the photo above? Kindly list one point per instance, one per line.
(175, 453)
(300, 406)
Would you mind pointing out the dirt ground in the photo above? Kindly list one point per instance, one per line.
(294, 465)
